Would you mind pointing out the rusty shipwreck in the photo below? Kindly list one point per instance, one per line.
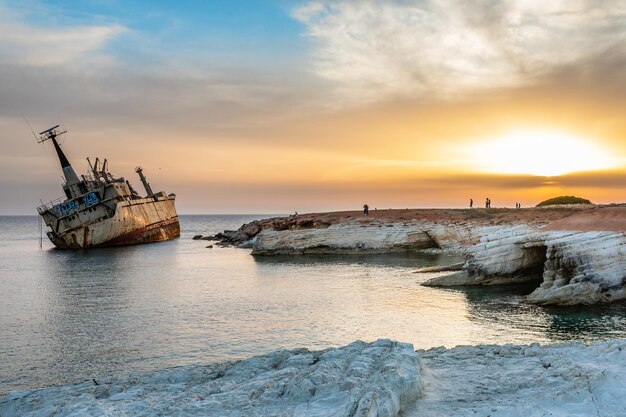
(101, 210)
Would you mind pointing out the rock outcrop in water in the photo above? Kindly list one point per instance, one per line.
(576, 260)
(576, 254)
(351, 237)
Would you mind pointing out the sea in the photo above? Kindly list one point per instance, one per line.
(73, 316)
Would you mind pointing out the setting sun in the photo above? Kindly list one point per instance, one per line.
(541, 153)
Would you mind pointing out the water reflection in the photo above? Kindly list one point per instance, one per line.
(505, 307)
(69, 316)
(87, 320)
(407, 260)
(589, 323)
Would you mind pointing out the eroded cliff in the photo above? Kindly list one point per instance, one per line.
(577, 255)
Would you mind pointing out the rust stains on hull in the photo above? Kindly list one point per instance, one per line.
(158, 232)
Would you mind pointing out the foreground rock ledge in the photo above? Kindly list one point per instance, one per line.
(576, 254)
(563, 380)
(376, 379)
(382, 379)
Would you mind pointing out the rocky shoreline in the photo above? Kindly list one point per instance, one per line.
(383, 379)
(576, 254)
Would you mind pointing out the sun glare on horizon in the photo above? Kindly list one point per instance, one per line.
(541, 153)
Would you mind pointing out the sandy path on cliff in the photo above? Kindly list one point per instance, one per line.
(478, 215)
(611, 219)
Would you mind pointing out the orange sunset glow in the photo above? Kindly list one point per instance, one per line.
(313, 208)
(331, 105)
(549, 154)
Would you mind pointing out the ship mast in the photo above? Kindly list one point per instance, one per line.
(144, 181)
(52, 134)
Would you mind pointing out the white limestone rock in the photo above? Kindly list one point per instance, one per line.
(360, 379)
(582, 268)
(383, 378)
(562, 380)
(504, 256)
(349, 237)
(499, 257)
(572, 267)
(376, 237)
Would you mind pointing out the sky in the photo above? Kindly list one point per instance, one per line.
(283, 106)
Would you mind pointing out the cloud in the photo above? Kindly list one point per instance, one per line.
(36, 46)
(600, 180)
(81, 72)
(375, 50)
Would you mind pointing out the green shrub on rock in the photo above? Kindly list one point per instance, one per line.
(564, 199)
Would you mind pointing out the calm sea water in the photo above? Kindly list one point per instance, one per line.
(69, 316)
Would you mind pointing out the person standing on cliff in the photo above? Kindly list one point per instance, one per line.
(366, 209)
(471, 203)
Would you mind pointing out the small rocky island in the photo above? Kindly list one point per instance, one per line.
(575, 253)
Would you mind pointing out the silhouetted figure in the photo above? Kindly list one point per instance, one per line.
(471, 203)
(487, 202)
(366, 209)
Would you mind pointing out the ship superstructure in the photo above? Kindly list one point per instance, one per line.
(101, 210)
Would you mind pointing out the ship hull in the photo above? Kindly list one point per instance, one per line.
(158, 232)
(136, 221)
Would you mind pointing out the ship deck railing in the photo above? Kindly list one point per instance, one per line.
(45, 207)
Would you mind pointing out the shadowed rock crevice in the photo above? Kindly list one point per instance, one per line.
(537, 259)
